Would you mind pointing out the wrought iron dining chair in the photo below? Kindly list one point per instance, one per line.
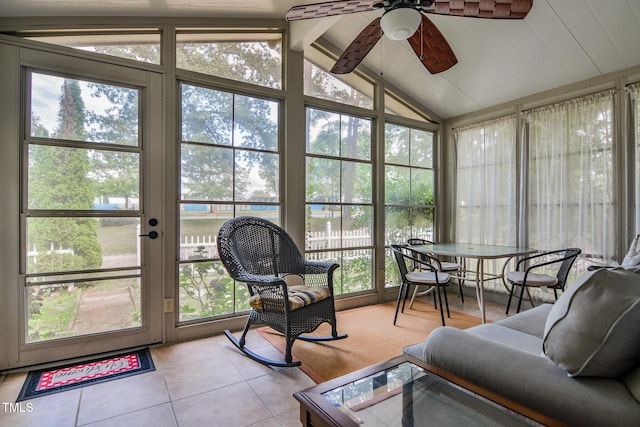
(431, 275)
(447, 267)
(524, 276)
(288, 293)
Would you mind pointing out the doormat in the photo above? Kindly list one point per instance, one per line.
(63, 378)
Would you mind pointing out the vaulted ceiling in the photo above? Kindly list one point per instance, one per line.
(559, 42)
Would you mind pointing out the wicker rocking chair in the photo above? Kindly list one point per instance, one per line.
(288, 293)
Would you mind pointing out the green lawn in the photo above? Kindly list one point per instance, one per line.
(117, 239)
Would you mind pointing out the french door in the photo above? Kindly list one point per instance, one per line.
(90, 211)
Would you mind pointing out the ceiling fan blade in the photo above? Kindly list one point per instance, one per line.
(432, 48)
(359, 48)
(496, 9)
(329, 8)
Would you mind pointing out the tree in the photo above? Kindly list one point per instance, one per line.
(208, 117)
(255, 62)
(58, 181)
(334, 134)
(116, 173)
(216, 117)
(208, 287)
(339, 180)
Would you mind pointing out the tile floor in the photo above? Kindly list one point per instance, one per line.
(206, 382)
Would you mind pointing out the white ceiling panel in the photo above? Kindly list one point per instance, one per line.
(560, 57)
(558, 43)
(478, 42)
(581, 21)
(622, 26)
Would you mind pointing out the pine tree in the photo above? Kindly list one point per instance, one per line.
(58, 181)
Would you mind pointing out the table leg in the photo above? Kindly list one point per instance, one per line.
(480, 288)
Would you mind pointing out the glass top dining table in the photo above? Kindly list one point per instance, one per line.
(480, 252)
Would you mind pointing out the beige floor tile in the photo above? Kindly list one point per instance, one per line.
(55, 410)
(118, 397)
(290, 419)
(169, 356)
(253, 340)
(276, 390)
(10, 386)
(199, 377)
(250, 368)
(236, 405)
(156, 416)
(271, 422)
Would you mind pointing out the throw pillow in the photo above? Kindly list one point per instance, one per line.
(594, 327)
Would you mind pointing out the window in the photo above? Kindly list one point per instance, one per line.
(570, 192)
(229, 167)
(321, 84)
(486, 182)
(634, 98)
(254, 58)
(81, 226)
(408, 188)
(137, 44)
(486, 190)
(339, 196)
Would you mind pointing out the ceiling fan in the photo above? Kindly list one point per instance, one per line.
(406, 20)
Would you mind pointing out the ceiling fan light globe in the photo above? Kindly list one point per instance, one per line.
(400, 24)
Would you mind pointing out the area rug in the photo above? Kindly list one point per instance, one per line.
(62, 378)
(372, 338)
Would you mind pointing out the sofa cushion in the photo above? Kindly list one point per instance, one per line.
(594, 327)
(530, 322)
(508, 337)
(632, 381)
(523, 332)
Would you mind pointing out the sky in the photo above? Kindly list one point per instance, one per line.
(45, 99)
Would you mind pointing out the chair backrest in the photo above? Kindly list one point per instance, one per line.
(416, 241)
(252, 245)
(396, 250)
(569, 257)
(404, 254)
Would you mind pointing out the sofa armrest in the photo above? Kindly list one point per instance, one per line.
(532, 380)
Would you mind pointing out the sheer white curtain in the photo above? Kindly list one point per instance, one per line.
(570, 176)
(634, 98)
(486, 182)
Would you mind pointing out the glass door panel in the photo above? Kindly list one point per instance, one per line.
(87, 257)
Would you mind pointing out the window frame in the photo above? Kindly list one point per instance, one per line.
(234, 206)
(340, 204)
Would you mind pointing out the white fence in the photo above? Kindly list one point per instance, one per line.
(329, 239)
(194, 247)
(205, 246)
(33, 254)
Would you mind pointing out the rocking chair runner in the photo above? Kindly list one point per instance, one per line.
(288, 293)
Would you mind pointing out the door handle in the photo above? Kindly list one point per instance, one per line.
(151, 235)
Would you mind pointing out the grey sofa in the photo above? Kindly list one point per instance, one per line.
(507, 357)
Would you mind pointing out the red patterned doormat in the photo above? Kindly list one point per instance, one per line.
(62, 378)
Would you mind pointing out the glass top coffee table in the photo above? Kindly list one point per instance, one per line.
(406, 392)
